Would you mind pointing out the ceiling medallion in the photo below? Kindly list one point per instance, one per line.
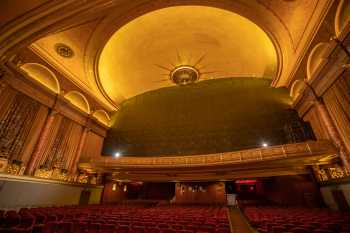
(183, 75)
(185, 72)
(64, 50)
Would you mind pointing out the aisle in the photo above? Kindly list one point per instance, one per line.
(238, 222)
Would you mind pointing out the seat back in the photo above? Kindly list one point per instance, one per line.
(50, 227)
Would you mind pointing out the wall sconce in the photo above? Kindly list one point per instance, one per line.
(125, 188)
(114, 187)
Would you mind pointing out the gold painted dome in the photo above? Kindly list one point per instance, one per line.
(175, 38)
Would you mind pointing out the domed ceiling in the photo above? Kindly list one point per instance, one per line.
(140, 56)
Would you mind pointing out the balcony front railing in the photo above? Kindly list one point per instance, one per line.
(311, 148)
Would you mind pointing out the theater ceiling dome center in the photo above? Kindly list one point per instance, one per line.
(218, 43)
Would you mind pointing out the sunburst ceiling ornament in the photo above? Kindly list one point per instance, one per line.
(185, 73)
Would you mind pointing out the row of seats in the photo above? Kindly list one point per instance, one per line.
(297, 220)
(116, 218)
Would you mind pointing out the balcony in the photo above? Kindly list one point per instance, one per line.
(268, 161)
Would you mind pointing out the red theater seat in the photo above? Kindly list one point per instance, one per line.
(323, 231)
(64, 227)
(186, 231)
(163, 226)
(223, 230)
(177, 227)
(119, 218)
(138, 229)
(93, 228)
(300, 230)
(123, 229)
(107, 228)
(50, 227)
(79, 227)
(152, 230)
(26, 224)
(168, 231)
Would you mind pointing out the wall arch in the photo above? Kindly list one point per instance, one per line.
(342, 16)
(78, 100)
(43, 75)
(297, 88)
(102, 116)
(316, 56)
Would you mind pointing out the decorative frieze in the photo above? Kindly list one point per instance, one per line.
(331, 174)
(16, 167)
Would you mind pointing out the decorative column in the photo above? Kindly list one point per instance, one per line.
(81, 144)
(333, 132)
(32, 165)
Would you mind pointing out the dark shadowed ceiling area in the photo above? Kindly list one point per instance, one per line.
(205, 117)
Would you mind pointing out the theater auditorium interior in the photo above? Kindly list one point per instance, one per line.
(174, 116)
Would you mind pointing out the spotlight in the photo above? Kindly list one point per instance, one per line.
(117, 154)
(265, 144)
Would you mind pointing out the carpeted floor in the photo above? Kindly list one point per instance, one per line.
(239, 223)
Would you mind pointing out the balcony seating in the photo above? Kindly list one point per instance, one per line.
(297, 220)
(116, 219)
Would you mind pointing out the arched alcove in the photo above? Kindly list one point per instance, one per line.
(317, 55)
(78, 100)
(102, 116)
(297, 88)
(43, 75)
(342, 17)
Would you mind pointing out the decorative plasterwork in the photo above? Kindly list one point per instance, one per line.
(22, 82)
(64, 50)
(276, 18)
(328, 66)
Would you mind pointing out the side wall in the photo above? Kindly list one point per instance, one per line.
(43, 133)
(117, 191)
(304, 191)
(32, 192)
(190, 193)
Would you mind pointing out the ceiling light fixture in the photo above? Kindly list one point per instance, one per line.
(183, 75)
(185, 72)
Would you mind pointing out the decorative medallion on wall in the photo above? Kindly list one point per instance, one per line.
(64, 50)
